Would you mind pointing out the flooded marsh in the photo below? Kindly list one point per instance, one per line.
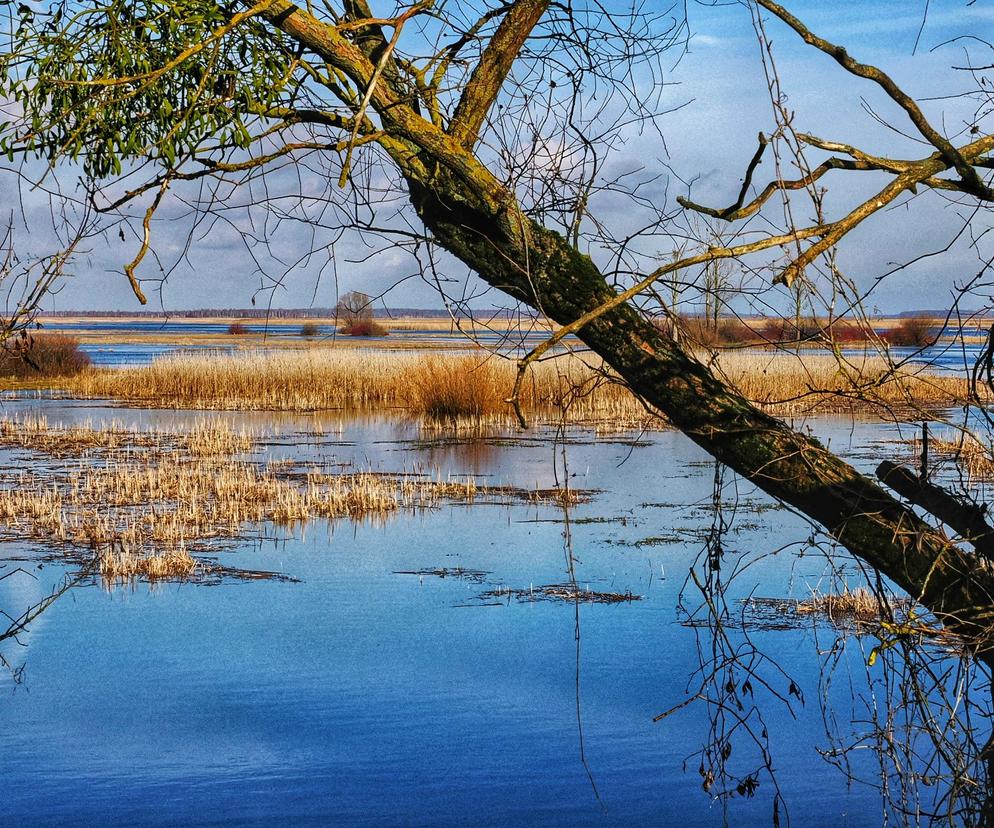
(329, 617)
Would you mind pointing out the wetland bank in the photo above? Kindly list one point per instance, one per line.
(381, 605)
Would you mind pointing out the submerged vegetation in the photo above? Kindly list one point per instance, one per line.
(438, 387)
(136, 501)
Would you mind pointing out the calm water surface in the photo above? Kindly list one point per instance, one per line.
(360, 696)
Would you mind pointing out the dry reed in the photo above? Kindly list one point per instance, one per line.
(123, 564)
(967, 453)
(447, 388)
(859, 605)
(787, 382)
(137, 500)
(451, 388)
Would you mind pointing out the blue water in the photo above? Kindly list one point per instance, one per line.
(946, 356)
(180, 328)
(115, 354)
(358, 696)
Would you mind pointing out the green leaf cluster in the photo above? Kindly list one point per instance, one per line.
(88, 83)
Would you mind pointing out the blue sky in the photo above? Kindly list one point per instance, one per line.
(710, 139)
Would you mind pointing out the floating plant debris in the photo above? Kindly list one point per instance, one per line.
(850, 607)
(559, 592)
(476, 576)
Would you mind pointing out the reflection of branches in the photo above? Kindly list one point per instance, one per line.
(729, 674)
(571, 573)
(20, 623)
(921, 710)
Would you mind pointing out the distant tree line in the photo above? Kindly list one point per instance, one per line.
(275, 313)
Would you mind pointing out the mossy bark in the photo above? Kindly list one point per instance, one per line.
(476, 218)
(539, 267)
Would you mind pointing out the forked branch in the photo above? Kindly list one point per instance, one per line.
(954, 158)
(487, 79)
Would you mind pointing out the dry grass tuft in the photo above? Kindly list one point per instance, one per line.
(856, 605)
(124, 565)
(447, 388)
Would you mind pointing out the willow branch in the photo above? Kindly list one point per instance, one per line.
(969, 175)
(737, 211)
(129, 269)
(377, 72)
(370, 38)
(181, 58)
(490, 73)
(921, 172)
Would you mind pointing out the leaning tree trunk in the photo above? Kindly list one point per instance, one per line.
(540, 268)
(476, 218)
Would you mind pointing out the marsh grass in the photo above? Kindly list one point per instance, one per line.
(454, 388)
(121, 564)
(785, 383)
(137, 501)
(459, 388)
(431, 387)
(967, 453)
(36, 434)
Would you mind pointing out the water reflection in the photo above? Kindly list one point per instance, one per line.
(359, 695)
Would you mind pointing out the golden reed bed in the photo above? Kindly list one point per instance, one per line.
(443, 387)
(134, 502)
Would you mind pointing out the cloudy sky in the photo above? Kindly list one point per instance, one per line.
(721, 102)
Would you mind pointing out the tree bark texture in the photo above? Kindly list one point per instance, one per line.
(478, 220)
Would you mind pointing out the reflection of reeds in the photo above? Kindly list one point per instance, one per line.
(453, 387)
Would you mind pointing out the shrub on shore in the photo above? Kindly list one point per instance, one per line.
(363, 327)
(711, 333)
(310, 329)
(913, 331)
(44, 355)
(237, 329)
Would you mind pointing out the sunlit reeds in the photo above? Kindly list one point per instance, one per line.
(787, 382)
(433, 386)
(452, 388)
(137, 501)
(35, 433)
(122, 564)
